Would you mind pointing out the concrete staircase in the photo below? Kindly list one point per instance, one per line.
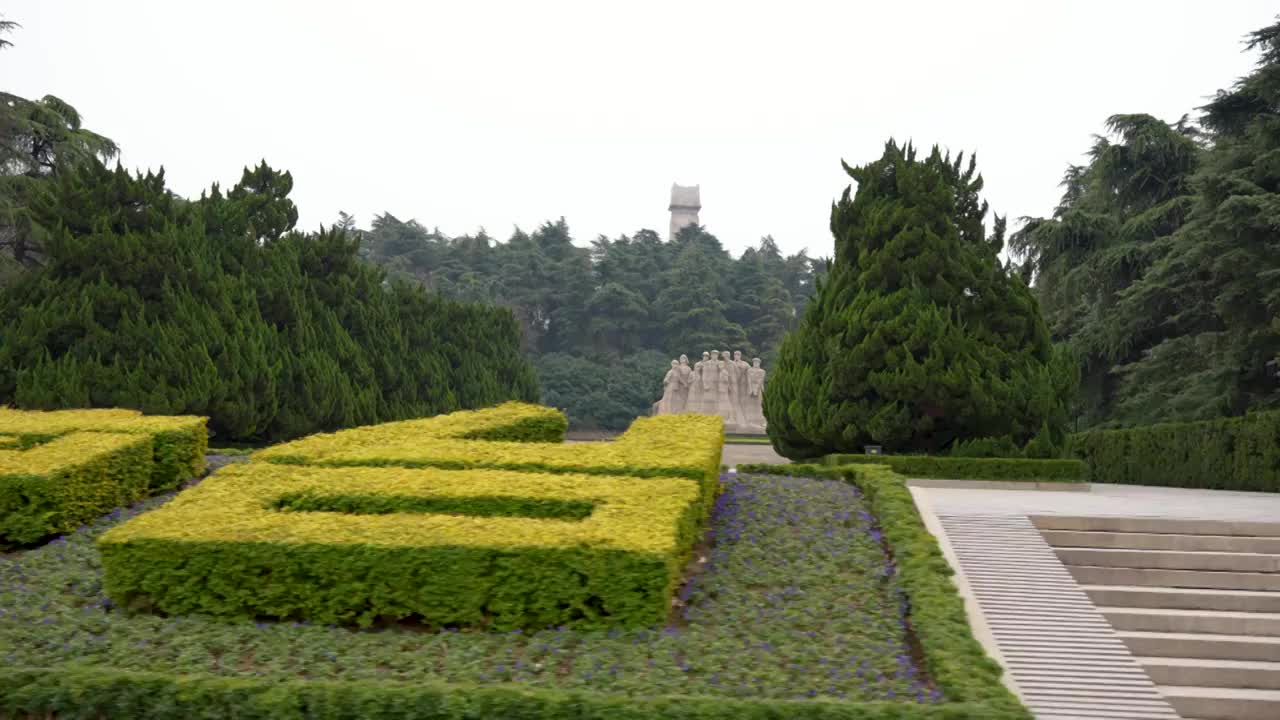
(1197, 602)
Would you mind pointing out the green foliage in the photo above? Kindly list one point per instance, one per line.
(217, 308)
(1042, 446)
(38, 139)
(398, 556)
(401, 556)
(1225, 454)
(58, 470)
(1000, 447)
(600, 393)
(601, 323)
(918, 337)
(108, 693)
(692, 298)
(952, 657)
(60, 485)
(1213, 293)
(178, 443)
(1159, 266)
(970, 468)
(746, 648)
(543, 508)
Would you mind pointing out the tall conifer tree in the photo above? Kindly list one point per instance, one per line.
(917, 337)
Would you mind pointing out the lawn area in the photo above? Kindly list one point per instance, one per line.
(797, 598)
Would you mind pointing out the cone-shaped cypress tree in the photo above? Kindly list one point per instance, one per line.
(918, 336)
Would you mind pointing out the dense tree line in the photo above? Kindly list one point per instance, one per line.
(1157, 276)
(219, 307)
(602, 322)
(38, 138)
(119, 293)
(1160, 268)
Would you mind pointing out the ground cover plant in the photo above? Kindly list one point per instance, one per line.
(797, 599)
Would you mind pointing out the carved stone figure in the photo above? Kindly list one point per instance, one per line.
(740, 384)
(755, 392)
(693, 400)
(755, 379)
(670, 391)
(686, 381)
(726, 392)
(711, 385)
(722, 384)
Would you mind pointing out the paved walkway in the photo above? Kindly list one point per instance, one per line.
(742, 453)
(1060, 654)
(1112, 501)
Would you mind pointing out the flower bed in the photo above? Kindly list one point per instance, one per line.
(798, 611)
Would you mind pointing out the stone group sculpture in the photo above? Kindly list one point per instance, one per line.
(718, 384)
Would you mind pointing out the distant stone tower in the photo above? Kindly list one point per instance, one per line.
(685, 205)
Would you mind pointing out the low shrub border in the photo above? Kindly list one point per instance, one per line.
(952, 656)
(97, 694)
(962, 468)
(662, 446)
(1240, 453)
(521, 437)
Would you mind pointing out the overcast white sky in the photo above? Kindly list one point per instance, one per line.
(472, 114)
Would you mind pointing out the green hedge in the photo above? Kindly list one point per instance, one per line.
(965, 468)
(178, 442)
(952, 657)
(87, 694)
(1241, 453)
(229, 547)
(62, 484)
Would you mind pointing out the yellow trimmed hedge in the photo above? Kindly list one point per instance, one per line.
(233, 546)
(178, 442)
(479, 518)
(56, 486)
(664, 446)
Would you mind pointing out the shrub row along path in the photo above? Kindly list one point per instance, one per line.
(1058, 647)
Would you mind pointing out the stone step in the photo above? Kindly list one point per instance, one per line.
(1162, 541)
(1171, 560)
(1210, 646)
(1137, 596)
(1216, 703)
(1193, 621)
(1157, 525)
(1094, 575)
(1212, 673)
